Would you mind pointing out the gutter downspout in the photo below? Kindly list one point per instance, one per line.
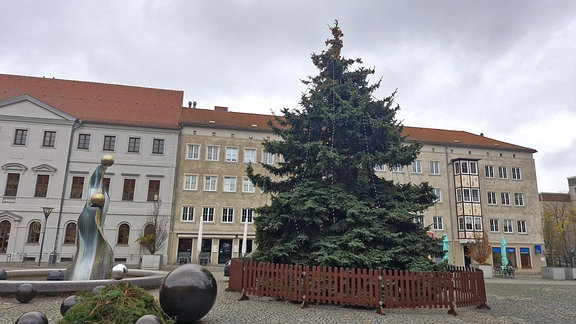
(77, 124)
(452, 227)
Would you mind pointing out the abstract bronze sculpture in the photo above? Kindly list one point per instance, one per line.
(94, 256)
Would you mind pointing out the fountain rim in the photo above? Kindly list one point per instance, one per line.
(140, 277)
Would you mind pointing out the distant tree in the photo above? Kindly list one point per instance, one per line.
(559, 229)
(328, 207)
(155, 233)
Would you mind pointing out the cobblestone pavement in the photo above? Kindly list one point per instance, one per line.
(520, 300)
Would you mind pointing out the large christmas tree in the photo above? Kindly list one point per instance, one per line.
(328, 207)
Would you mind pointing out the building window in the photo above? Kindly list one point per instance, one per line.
(469, 223)
(521, 225)
(212, 153)
(475, 194)
(20, 136)
(34, 232)
(77, 187)
(5, 227)
(458, 195)
(466, 194)
(505, 198)
(83, 141)
(247, 185)
(477, 223)
(438, 194)
(434, 167)
(419, 220)
(193, 152)
(380, 167)
(503, 172)
(456, 168)
(461, 223)
(525, 258)
(464, 167)
(508, 226)
(227, 215)
(494, 226)
(438, 223)
(491, 198)
(267, 158)
(134, 144)
(109, 143)
(49, 139)
(190, 182)
(249, 155)
(231, 154)
(416, 166)
(516, 174)
(518, 199)
(70, 234)
(158, 146)
(128, 190)
(123, 234)
(12, 183)
(398, 168)
(187, 213)
(210, 183)
(229, 184)
(247, 215)
(489, 170)
(208, 214)
(106, 183)
(153, 190)
(41, 185)
(473, 167)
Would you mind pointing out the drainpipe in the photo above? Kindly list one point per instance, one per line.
(77, 124)
(452, 227)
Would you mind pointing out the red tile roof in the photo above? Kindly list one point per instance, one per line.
(100, 102)
(245, 121)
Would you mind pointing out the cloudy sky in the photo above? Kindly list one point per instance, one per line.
(503, 68)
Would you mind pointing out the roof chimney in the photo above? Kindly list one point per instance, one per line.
(220, 108)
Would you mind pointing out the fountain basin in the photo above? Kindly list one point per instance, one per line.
(147, 279)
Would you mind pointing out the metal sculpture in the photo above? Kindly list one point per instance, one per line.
(94, 256)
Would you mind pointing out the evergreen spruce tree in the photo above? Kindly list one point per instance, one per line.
(328, 207)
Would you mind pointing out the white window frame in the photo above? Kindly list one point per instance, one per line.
(190, 182)
(380, 167)
(416, 166)
(505, 198)
(521, 226)
(459, 195)
(247, 213)
(187, 214)
(227, 215)
(464, 168)
(466, 195)
(469, 220)
(247, 185)
(502, 172)
(398, 168)
(489, 171)
(478, 224)
(229, 184)
(210, 182)
(516, 173)
(456, 168)
(435, 167)
(267, 157)
(249, 157)
(438, 194)
(231, 154)
(491, 198)
(508, 226)
(461, 222)
(193, 151)
(494, 225)
(475, 195)
(473, 167)
(518, 199)
(438, 223)
(208, 214)
(212, 153)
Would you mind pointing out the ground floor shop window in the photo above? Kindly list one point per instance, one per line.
(525, 258)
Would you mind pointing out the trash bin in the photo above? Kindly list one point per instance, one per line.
(52, 257)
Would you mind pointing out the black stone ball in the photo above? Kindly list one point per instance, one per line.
(3, 274)
(55, 275)
(32, 318)
(25, 293)
(97, 289)
(188, 293)
(68, 303)
(148, 319)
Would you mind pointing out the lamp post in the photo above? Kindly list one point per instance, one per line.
(47, 211)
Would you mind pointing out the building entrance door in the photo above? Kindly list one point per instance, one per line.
(224, 251)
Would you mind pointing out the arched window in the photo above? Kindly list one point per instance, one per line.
(149, 229)
(4, 235)
(70, 233)
(34, 232)
(123, 234)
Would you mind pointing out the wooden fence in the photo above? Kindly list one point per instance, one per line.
(458, 287)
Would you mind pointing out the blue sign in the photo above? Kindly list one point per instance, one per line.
(496, 250)
(538, 249)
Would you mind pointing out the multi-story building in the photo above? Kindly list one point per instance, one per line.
(53, 134)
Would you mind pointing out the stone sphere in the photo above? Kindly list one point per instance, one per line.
(107, 160)
(119, 271)
(25, 293)
(97, 289)
(97, 200)
(188, 292)
(68, 303)
(32, 318)
(3, 274)
(55, 275)
(148, 319)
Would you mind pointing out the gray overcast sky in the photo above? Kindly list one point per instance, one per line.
(503, 68)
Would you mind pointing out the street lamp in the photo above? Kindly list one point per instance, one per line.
(47, 211)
